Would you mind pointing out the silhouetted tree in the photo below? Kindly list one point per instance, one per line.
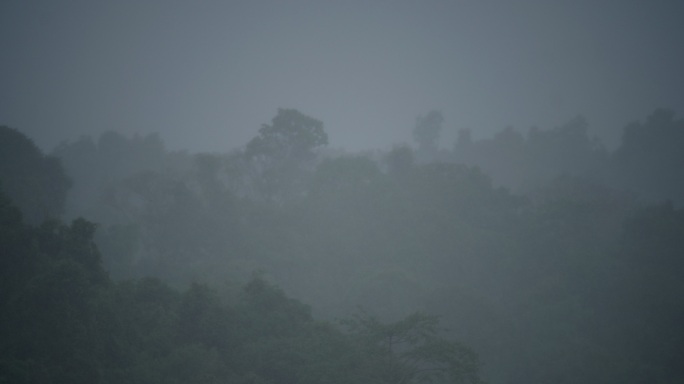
(36, 183)
(650, 158)
(426, 134)
(278, 155)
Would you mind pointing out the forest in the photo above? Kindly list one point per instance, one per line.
(525, 257)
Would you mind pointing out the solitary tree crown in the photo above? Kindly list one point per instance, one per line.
(291, 134)
(427, 130)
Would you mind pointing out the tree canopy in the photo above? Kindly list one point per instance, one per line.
(36, 183)
(539, 250)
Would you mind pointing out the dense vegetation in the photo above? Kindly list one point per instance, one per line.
(62, 320)
(556, 259)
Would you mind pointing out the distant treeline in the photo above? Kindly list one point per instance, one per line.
(556, 259)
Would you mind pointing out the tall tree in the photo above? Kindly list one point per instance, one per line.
(280, 152)
(291, 136)
(36, 183)
(426, 133)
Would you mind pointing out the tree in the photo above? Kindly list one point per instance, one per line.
(291, 136)
(280, 152)
(399, 160)
(426, 133)
(650, 159)
(95, 165)
(51, 277)
(344, 176)
(411, 350)
(36, 183)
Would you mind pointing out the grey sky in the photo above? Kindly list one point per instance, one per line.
(207, 74)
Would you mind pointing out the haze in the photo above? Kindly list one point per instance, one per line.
(207, 74)
(341, 192)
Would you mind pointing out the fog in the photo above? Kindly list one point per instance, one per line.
(320, 192)
(207, 74)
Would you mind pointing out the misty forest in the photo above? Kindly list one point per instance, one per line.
(524, 257)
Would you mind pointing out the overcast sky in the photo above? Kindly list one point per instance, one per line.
(207, 74)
